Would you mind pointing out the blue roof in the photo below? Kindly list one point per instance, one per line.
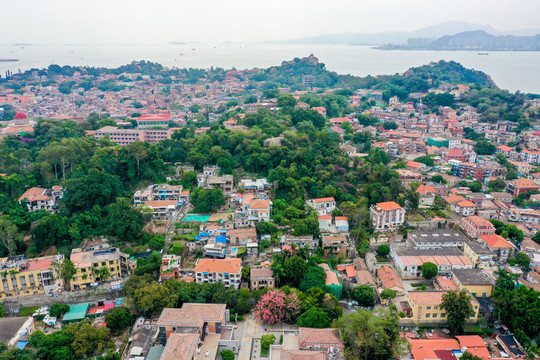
(197, 237)
(222, 239)
(21, 344)
(204, 234)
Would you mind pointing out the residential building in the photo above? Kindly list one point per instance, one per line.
(89, 263)
(335, 245)
(386, 215)
(436, 239)
(427, 196)
(162, 209)
(153, 120)
(389, 279)
(499, 246)
(408, 260)
(128, 136)
(16, 331)
(475, 226)
(464, 208)
(476, 281)
(22, 277)
(208, 171)
(312, 344)
(306, 241)
(42, 199)
(241, 237)
(478, 253)
(521, 186)
(259, 210)
(323, 206)
(228, 271)
(159, 192)
(255, 185)
(261, 278)
(426, 308)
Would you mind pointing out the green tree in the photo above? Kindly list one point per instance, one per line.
(117, 319)
(65, 271)
(314, 276)
(124, 221)
(370, 335)
(429, 270)
(523, 260)
(152, 298)
(294, 268)
(58, 309)
(438, 179)
(484, 147)
(89, 341)
(364, 295)
(383, 250)
(314, 318)
(458, 309)
(388, 294)
(206, 201)
(1, 311)
(468, 356)
(104, 273)
(475, 186)
(497, 185)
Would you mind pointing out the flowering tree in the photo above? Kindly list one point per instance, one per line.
(276, 307)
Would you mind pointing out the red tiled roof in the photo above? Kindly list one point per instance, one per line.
(495, 241)
(388, 205)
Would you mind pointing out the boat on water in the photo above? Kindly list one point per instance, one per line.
(483, 53)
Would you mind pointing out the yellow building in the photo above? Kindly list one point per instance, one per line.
(479, 254)
(24, 277)
(425, 308)
(89, 265)
(475, 281)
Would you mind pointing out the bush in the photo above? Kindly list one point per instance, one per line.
(401, 314)
(58, 309)
(227, 355)
(364, 295)
(266, 341)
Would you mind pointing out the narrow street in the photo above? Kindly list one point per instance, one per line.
(252, 329)
(170, 226)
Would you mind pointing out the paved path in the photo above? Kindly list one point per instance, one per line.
(252, 329)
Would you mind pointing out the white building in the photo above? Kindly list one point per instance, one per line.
(323, 206)
(386, 215)
(228, 271)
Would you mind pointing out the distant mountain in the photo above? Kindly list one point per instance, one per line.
(401, 37)
(472, 40)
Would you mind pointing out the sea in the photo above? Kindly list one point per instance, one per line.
(509, 70)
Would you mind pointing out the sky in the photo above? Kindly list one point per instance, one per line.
(159, 21)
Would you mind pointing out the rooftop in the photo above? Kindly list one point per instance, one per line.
(226, 266)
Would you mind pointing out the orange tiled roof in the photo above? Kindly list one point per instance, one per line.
(388, 205)
(308, 337)
(230, 266)
(495, 241)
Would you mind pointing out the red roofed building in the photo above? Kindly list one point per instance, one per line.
(475, 226)
(521, 186)
(390, 279)
(228, 271)
(501, 247)
(386, 215)
(152, 120)
(455, 154)
(41, 199)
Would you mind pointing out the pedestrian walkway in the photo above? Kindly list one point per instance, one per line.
(252, 328)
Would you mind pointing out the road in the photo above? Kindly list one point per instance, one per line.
(170, 226)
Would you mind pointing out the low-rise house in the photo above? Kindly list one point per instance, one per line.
(427, 196)
(389, 279)
(162, 209)
(89, 263)
(335, 245)
(255, 185)
(502, 196)
(475, 226)
(208, 171)
(259, 210)
(426, 307)
(241, 237)
(228, 271)
(342, 223)
(323, 206)
(158, 192)
(476, 281)
(261, 278)
(42, 199)
(306, 241)
(499, 246)
(312, 344)
(386, 215)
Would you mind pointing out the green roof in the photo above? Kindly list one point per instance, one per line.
(76, 312)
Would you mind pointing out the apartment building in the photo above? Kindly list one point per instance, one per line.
(259, 210)
(475, 226)
(436, 239)
(89, 263)
(158, 192)
(335, 245)
(127, 136)
(37, 199)
(228, 271)
(499, 246)
(476, 281)
(323, 206)
(478, 253)
(521, 186)
(386, 215)
(25, 277)
(425, 307)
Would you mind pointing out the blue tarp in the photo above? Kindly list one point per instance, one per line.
(221, 239)
(21, 344)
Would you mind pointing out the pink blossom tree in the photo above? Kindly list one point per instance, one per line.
(276, 307)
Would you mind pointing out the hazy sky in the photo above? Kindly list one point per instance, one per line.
(147, 21)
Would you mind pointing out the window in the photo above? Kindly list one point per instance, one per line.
(434, 315)
(428, 315)
(428, 308)
(443, 315)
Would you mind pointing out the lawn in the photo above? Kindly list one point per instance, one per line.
(176, 248)
(27, 310)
